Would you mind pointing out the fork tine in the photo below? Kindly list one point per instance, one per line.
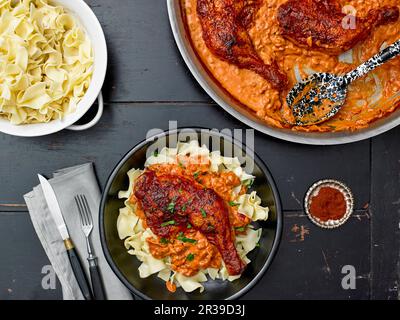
(88, 212)
(79, 209)
(84, 211)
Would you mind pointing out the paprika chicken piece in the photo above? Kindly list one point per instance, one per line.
(321, 24)
(224, 24)
(173, 203)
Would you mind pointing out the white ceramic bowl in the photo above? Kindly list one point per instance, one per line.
(82, 12)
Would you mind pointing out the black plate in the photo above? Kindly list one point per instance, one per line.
(126, 266)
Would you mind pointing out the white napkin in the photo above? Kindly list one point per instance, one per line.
(67, 183)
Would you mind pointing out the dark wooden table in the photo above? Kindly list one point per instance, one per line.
(147, 85)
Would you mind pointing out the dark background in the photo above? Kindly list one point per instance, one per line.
(147, 85)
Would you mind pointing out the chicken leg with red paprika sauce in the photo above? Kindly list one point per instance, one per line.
(320, 24)
(172, 202)
(225, 24)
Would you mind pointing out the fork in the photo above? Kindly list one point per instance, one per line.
(87, 227)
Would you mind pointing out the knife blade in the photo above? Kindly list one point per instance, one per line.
(58, 218)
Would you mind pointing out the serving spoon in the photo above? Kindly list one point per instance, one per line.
(320, 97)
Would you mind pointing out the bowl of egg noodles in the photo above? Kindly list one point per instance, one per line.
(53, 62)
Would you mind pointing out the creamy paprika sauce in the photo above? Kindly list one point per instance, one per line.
(369, 98)
(187, 258)
(190, 251)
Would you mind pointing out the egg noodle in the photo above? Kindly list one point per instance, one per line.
(46, 61)
(132, 227)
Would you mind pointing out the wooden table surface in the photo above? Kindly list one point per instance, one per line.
(147, 85)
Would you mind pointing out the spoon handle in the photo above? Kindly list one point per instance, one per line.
(385, 55)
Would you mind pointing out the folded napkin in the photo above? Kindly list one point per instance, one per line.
(67, 183)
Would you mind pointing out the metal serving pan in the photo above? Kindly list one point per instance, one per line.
(236, 109)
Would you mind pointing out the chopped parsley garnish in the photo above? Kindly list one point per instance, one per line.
(171, 206)
(189, 226)
(248, 183)
(184, 208)
(164, 241)
(155, 153)
(180, 190)
(233, 204)
(196, 175)
(210, 227)
(168, 223)
(181, 237)
(240, 229)
(181, 165)
(190, 257)
(203, 212)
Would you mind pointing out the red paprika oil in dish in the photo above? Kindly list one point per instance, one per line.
(329, 203)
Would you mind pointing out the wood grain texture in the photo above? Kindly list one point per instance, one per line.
(310, 261)
(308, 264)
(385, 212)
(22, 261)
(294, 167)
(144, 63)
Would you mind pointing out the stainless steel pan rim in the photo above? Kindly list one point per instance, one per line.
(230, 105)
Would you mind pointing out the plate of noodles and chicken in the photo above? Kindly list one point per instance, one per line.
(248, 54)
(190, 214)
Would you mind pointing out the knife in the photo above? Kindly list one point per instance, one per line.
(55, 211)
